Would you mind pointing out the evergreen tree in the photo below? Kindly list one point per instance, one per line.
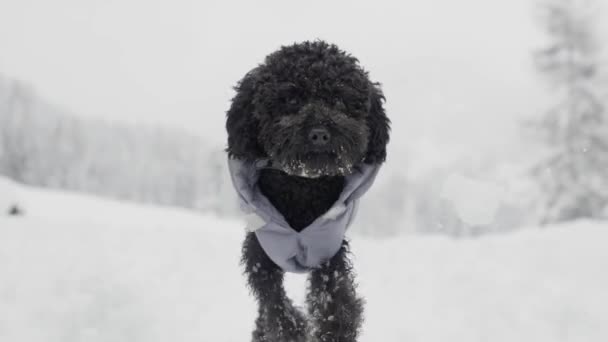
(574, 177)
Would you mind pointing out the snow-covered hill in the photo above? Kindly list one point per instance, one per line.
(77, 268)
(8, 196)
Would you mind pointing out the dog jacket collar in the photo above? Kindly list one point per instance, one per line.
(291, 250)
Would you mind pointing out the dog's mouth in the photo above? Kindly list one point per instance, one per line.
(315, 165)
(302, 160)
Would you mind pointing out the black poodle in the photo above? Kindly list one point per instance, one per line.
(306, 134)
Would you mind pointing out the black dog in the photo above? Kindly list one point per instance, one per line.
(313, 112)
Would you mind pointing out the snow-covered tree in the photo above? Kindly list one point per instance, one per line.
(574, 176)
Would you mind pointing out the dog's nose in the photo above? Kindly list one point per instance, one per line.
(319, 136)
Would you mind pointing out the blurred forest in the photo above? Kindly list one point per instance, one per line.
(42, 146)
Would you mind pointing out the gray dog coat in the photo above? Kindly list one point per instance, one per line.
(291, 250)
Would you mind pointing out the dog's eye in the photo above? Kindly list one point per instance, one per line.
(357, 105)
(339, 104)
(292, 103)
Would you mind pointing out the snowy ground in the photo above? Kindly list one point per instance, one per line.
(76, 268)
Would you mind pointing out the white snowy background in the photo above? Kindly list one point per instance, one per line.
(111, 151)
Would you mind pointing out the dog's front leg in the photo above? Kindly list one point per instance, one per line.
(335, 309)
(278, 320)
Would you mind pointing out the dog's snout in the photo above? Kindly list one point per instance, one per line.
(319, 136)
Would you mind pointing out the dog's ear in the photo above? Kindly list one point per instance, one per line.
(379, 127)
(241, 124)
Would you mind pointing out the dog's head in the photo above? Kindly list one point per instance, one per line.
(311, 109)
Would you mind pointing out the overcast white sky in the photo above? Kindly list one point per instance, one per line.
(455, 73)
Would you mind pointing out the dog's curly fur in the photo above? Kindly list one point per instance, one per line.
(300, 88)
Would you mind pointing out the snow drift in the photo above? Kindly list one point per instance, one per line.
(77, 268)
